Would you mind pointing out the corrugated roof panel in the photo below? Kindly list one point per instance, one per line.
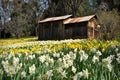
(78, 19)
(54, 18)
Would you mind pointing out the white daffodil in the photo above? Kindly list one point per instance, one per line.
(31, 56)
(32, 69)
(1, 71)
(65, 65)
(62, 53)
(107, 61)
(109, 66)
(15, 61)
(81, 52)
(38, 52)
(63, 74)
(118, 60)
(47, 50)
(80, 74)
(72, 55)
(70, 62)
(73, 69)
(112, 44)
(19, 54)
(75, 77)
(118, 55)
(59, 69)
(75, 50)
(49, 74)
(83, 57)
(42, 58)
(23, 74)
(10, 55)
(93, 50)
(95, 59)
(50, 60)
(111, 57)
(18, 67)
(56, 55)
(60, 60)
(70, 52)
(67, 57)
(11, 71)
(5, 63)
(85, 73)
(116, 50)
(98, 53)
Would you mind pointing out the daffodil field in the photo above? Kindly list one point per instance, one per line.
(59, 60)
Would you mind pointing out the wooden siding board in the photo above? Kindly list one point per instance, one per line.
(79, 30)
(68, 31)
(40, 28)
(51, 31)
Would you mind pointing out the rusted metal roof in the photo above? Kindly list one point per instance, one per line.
(54, 19)
(78, 19)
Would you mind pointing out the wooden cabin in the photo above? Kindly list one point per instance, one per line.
(52, 28)
(65, 27)
(82, 27)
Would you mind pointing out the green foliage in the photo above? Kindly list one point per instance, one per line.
(116, 2)
(23, 18)
(85, 9)
(110, 23)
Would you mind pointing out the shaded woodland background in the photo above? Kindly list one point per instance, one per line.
(19, 18)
